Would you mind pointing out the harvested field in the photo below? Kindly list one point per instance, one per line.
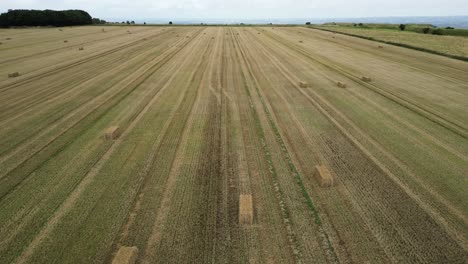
(229, 145)
(451, 45)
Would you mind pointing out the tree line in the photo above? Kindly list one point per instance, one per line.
(22, 17)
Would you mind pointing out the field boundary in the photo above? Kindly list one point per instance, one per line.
(462, 58)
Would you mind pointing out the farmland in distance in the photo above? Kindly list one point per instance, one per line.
(202, 145)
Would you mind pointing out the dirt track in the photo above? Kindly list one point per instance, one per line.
(208, 114)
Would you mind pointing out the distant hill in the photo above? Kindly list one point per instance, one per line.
(439, 21)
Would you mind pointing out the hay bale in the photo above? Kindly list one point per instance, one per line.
(60, 29)
(341, 84)
(300, 41)
(380, 47)
(126, 255)
(8, 38)
(112, 133)
(303, 84)
(65, 41)
(323, 176)
(245, 209)
(13, 75)
(366, 79)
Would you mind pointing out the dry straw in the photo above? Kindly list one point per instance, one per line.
(245, 209)
(126, 255)
(323, 176)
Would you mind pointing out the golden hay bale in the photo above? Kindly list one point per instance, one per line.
(366, 79)
(323, 176)
(212, 37)
(112, 133)
(341, 84)
(300, 41)
(13, 75)
(80, 48)
(126, 255)
(65, 41)
(380, 47)
(245, 209)
(303, 84)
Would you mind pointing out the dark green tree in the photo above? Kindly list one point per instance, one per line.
(20, 17)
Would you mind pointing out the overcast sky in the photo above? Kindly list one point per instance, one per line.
(139, 10)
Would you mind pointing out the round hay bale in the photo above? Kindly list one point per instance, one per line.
(341, 84)
(366, 79)
(13, 75)
(303, 84)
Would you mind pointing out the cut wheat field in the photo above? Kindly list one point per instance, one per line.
(229, 145)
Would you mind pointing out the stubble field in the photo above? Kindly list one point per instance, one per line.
(207, 115)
